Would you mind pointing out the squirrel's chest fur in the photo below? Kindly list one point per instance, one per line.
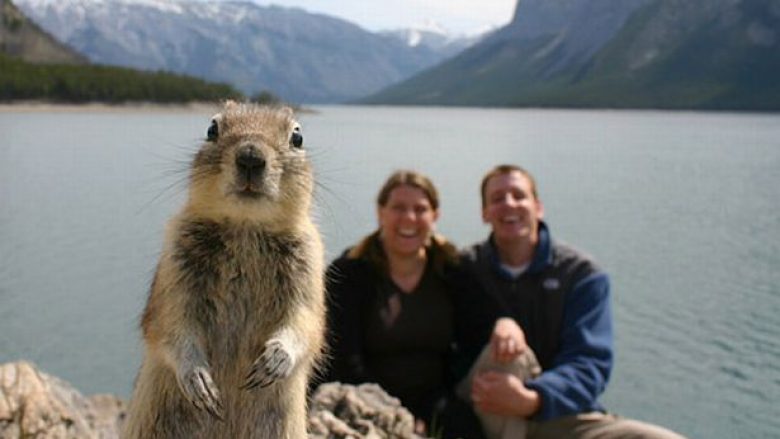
(239, 282)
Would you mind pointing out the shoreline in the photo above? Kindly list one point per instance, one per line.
(90, 107)
(126, 107)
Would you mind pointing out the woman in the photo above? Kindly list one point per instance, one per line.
(391, 311)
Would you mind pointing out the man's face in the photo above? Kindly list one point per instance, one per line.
(511, 208)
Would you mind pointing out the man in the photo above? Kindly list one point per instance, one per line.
(533, 295)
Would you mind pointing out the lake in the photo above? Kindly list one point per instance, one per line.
(681, 208)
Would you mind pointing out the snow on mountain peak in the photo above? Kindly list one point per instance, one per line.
(174, 6)
(431, 26)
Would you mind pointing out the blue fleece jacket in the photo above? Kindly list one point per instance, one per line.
(562, 303)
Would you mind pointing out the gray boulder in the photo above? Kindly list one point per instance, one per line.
(365, 411)
(34, 404)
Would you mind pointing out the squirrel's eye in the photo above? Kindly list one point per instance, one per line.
(213, 132)
(296, 139)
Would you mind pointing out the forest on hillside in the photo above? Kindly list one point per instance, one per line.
(20, 80)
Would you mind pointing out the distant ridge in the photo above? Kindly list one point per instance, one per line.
(300, 56)
(671, 54)
(21, 38)
(34, 66)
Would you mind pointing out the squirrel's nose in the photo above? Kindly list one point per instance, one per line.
(248, 159)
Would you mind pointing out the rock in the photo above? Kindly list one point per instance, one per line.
(34, 404)
(365, 411)
(106, 415)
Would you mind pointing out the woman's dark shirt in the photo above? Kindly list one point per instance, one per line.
(402, 341)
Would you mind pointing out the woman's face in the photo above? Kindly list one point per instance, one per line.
(406, 221)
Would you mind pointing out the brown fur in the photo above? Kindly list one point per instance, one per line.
(234, 319)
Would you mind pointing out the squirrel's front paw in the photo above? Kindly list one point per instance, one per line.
(273, 364)
(200, 390)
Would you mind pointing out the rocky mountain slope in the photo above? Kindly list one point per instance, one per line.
(300, 56)
(19, 37)
(708, 54)
(35, 66)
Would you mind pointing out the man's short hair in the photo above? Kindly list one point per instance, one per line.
(505, 169)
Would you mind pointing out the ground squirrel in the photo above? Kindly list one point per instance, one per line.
(234, 320)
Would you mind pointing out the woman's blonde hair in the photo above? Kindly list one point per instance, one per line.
(443, 252)
(408, 178)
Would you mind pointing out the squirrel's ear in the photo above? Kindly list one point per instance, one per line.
(213, 132)
(230, 103)
(288, 112)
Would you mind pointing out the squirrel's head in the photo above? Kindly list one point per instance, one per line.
(253, 165)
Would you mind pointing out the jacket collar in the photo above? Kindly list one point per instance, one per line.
(541, 259)
(441, 253)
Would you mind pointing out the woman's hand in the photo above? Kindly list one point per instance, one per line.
(419, 427)
(507, 341)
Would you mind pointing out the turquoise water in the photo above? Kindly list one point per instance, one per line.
(683, 210)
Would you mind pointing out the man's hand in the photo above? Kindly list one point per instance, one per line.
(507, 341)
(504, 395)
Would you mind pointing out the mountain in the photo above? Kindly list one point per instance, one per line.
(19, 37)
(299, 56)
(34, 66)
(434, 37)
(696, 54)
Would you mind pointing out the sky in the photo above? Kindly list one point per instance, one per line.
(457, 16)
